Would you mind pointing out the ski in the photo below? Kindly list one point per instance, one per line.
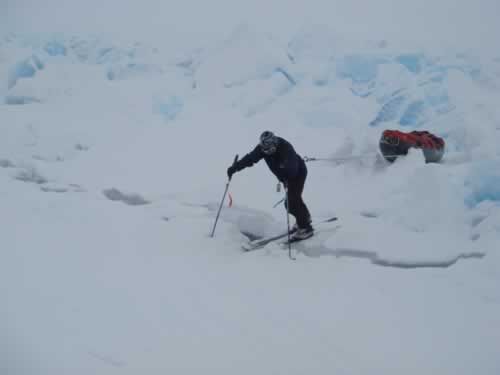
(293, 240)
(262, 242)
(319, 228)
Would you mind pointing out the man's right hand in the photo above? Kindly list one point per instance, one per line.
(230, 171)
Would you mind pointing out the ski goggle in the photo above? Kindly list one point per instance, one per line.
(269, 150)
(268, 145)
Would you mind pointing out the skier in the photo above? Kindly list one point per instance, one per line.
(290, 169)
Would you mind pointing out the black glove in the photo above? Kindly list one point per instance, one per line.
(230, 171)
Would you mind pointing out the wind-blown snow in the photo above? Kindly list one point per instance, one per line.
(113, 162)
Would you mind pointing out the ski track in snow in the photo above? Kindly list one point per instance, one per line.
(376, 259)
(309, 248)
(316, 251)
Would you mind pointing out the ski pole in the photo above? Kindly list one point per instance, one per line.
(223, 198)
(288, 226)
(277, 203)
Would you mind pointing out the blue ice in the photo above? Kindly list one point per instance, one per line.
(439, 101)
(55, 48)
(359, 68)
(483, 183)
(389, 111)
(168, 107)
(38, 63)
(23, 69)
(412, 61)
(414, 114)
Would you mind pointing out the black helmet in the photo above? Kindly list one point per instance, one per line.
(268, 142)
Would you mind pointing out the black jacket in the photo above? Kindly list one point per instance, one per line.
(285, 163)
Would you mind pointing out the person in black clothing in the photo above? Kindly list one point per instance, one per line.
(291, 171)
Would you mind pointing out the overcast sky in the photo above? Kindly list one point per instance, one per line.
(459, 22)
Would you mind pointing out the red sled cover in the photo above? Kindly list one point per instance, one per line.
(394, 143)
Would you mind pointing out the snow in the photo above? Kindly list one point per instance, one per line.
(113, 158)
(483, 183)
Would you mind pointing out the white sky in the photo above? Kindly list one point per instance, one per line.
(464, 23)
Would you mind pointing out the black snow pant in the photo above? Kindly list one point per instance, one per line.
(297, 207)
